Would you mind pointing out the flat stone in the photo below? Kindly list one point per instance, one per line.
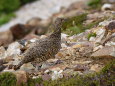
(105, 52)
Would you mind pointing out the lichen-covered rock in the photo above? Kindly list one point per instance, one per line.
(57, 74)
(14, 49)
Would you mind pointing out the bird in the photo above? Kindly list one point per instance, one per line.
(43, 49)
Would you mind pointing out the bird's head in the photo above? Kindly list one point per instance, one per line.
(59, 22)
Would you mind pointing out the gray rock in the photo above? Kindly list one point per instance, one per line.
(105, 52)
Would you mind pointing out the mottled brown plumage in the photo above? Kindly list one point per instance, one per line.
(44, 49)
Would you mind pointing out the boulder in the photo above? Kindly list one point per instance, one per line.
(20, 30)
(6, 38)
(105, 52)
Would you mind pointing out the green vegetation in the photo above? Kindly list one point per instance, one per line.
(5, 18)
(7, 7)
(91, 35)
(75, 25)
(106, 77)
(95, 3)
(7, 79)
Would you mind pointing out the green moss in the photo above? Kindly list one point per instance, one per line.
(91, 35)
(5, 18)
(95, 4)
(74, 24)
(7, 79)
(8, 6)
(33, 82)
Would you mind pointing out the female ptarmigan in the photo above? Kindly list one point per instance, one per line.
(44, 49)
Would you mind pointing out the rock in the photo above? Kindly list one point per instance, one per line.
(80, 68)
(21, 77)
(1, 61)
(43, 36)
(107, 7)
(110, 43)
(33, 40)
(30, 36)
(2, 67)
(76, 5)
(58, 67)
(63, 45)
(112, 1)
(55, 75)
(82, 36)
(46, 65)
(97, 48)
(6, 38)
(2, 52)
(38, 22)
(111, 26)
(40, 30)
(110, 39)
(14, 49)
(100, 32)
(59, 55)
(77, 46)
(19, 30)
(27, 67)
(46, 77)
(95, 67)
(104, 23)
(63, 38)
(47, 71)
(34, 21)
(105, 52)
(23, 42)
(81, 62)
(85, 51)
(8, 70)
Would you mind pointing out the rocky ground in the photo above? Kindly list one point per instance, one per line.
(81, 54)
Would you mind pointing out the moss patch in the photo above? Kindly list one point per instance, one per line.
(5, 18)
(95, 4)
(91, 35)
(7, 79)
(75, 25)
